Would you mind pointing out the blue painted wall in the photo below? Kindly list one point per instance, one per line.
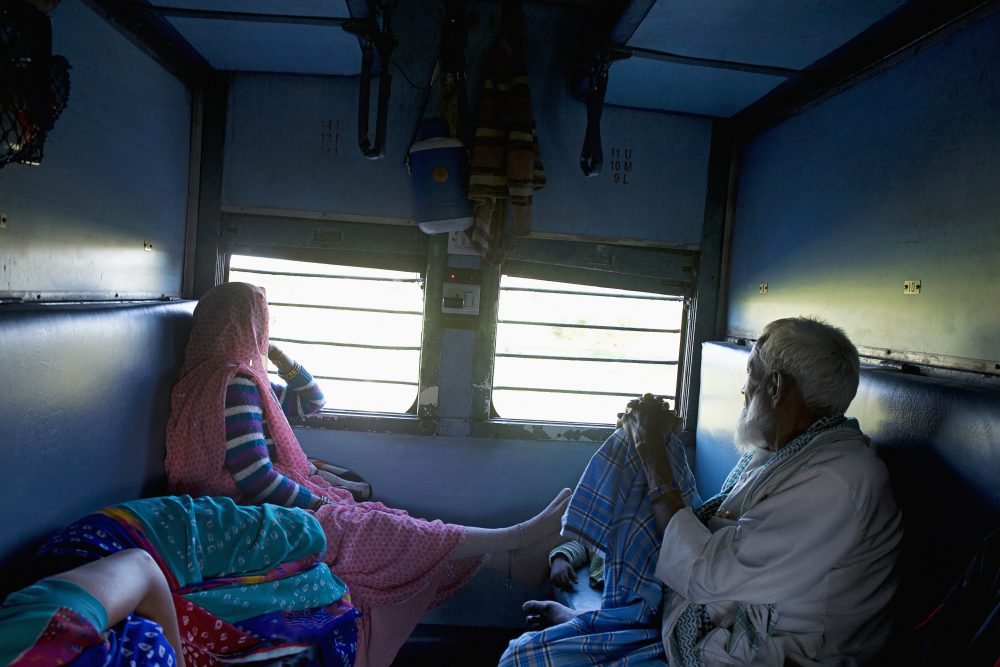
(292, 144)
(115, 174)
(891, 180)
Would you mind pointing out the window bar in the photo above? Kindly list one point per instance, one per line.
(277, 304)
(600, 359)
(682, 350)
(296, 274)
(346, 379)
(365, 346)
(539, 290)
(577, 392)
(604, 327)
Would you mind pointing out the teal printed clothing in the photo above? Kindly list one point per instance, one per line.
(27, 613)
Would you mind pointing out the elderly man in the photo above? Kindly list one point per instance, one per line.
(792, 563)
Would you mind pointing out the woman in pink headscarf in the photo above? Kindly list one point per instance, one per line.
(228, 435)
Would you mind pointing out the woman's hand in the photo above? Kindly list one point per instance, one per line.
(282, 361)
(317, 502)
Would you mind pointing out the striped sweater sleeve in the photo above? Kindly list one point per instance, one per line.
(247, 459)
(301, 396)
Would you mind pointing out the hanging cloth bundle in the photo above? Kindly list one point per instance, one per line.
(506, 168)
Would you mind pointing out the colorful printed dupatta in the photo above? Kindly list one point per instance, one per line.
(248, 583)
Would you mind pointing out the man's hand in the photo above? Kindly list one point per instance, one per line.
(562, 573)
(282, 361)
(648, 421)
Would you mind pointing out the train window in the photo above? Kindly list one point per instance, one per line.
(356, 329)
(576, 353)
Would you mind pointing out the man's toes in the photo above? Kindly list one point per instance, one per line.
(533, 607)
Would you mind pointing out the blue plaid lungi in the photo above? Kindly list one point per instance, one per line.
(609, 511)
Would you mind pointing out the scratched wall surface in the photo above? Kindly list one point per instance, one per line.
(892, 180)
(292, 141)
(114, 176)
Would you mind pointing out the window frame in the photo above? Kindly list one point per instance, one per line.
(670, 272)
(667, 271)
(398, 247)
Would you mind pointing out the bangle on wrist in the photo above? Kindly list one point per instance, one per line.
(291, 372)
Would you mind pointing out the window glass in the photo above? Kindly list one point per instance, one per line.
(356, 329)
(573, 353)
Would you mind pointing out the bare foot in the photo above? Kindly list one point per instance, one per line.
(544, 613)
(531, 564)
(547, 522)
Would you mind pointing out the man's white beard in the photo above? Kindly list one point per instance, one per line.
(755, 427)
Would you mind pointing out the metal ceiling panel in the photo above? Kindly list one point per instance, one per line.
(652, 84)
(780, 33)
(271, 47)
(327, 8)
(299, 47)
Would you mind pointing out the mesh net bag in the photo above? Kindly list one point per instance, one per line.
(34, 84)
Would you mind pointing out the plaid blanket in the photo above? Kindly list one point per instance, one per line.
(609, 511)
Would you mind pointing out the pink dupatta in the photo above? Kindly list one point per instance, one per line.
(228, 336)
(395, 565)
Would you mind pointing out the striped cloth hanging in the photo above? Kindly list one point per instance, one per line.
(505, 169)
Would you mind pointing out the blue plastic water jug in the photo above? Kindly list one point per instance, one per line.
(440, 170)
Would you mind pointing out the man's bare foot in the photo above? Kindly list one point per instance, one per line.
(543, 613)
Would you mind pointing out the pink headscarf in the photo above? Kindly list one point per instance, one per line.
(228, 336)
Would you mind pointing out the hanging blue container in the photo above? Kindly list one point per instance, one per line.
(440, 170)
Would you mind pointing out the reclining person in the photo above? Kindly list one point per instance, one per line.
(221, 583)
(793, 562)
(71, 615)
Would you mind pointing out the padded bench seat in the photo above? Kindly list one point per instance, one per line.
(581, 597)
(84, 414)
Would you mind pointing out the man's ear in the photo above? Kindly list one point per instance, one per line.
(777, 388)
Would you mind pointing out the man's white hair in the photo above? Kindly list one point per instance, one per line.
(819, 357)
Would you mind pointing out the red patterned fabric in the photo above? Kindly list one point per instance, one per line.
(61, 642)
(387, 558)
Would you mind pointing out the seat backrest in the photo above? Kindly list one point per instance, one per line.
(84, 413)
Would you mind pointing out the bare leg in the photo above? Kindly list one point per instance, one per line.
(544, 526)
(530, 564)
(360, 490)
(543, 613)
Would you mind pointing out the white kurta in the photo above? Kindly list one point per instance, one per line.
(817, 542)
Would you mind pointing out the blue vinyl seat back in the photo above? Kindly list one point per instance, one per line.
(84, 414)
(940, 440)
